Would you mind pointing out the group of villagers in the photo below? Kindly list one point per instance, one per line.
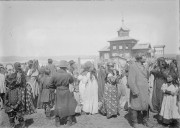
(67, 91)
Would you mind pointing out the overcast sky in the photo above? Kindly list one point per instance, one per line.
(55, 28)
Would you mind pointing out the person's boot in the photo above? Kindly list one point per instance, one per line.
(178, 123)
(57, 121)
(12, 122)
(134, 114)
(74, 119)
(48, 112)
(146, 120)
(22, 122)
(69, 121)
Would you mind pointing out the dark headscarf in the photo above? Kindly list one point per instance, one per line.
(161, 62)
(50, 61)
(71, 62)
(173, 71)
(17, 66)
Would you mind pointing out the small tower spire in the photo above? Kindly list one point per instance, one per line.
(122, 20)
(123, 31)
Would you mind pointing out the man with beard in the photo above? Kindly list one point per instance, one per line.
(139, 97)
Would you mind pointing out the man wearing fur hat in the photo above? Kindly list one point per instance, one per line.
(139, 97)
(65, 103)
(13, 101)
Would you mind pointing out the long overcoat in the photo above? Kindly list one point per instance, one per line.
(65, 103)
(138, 84)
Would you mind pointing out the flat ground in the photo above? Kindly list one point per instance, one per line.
(38, 120)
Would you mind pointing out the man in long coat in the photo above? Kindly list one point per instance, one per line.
(65, 103)
(139, 97)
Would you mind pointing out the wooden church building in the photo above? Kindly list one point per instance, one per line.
(124, 46)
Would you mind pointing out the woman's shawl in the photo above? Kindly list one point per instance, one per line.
(33, 83)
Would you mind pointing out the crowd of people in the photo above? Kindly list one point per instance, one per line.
(138, 87)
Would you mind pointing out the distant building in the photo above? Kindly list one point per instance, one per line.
(124, 46)
(159, 50)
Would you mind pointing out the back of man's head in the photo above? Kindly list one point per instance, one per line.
(50, 61)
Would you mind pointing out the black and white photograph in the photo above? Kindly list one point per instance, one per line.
(89, 63)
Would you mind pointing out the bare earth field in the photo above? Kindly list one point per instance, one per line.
(38, 120)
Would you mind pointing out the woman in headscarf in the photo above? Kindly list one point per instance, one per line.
(101, 81)
(90, 104)
(159, 73)
(33, 81)
(40, 77)
(110, 101)
(26, 92)
(14, 102)
(74, 87)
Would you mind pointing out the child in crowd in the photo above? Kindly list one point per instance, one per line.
(169, 109)
(46, 94)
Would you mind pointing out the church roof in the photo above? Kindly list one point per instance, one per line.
(105, 49)
(124, 28)
(142, 46)
(122, 38)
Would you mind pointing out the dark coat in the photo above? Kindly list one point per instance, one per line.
(52, 68)
(101, 83)
(65, 103)
(47, 94)
(159, 80)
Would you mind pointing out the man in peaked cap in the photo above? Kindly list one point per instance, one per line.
(65, 103)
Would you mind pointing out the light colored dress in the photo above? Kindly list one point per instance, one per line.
(151, 85)
(90, 104)
(33, 82)
(2, 83)
(123, 92)
(82, 85)
(169, 109)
